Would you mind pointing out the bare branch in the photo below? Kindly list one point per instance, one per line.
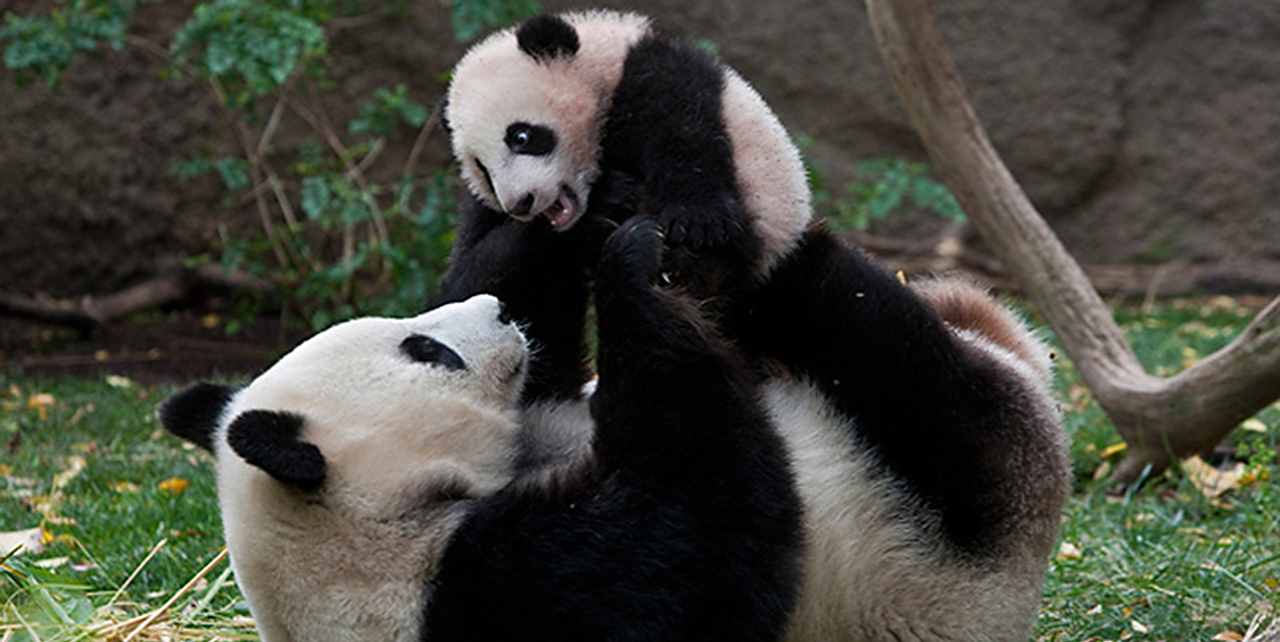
(1160, 419)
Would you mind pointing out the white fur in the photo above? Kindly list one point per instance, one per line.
(496, 85)
(875, 569)
(770, 173)
(353, 565)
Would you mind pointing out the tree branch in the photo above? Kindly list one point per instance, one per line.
(1160, 419)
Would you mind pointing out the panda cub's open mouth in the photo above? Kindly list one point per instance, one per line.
(564, 211)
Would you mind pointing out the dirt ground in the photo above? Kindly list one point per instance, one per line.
(160, 347)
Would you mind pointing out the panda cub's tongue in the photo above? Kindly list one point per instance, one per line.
(562, 213)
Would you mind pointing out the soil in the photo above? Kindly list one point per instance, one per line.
(167, 347)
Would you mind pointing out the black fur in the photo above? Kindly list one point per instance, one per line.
(270, 440)
(688, 527)
(943, 419)
(540, 277)
(193, 413)
(423, 349)
(665, 126)
(547, 37)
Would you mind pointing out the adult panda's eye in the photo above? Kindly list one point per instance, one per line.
(423, 349)
(530, 140)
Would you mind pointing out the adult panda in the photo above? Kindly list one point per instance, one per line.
(382, 482)
(919, 421)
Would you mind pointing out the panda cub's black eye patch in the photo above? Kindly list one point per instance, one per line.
(423, 349)
(530, 140)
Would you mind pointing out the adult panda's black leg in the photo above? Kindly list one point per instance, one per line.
(686, 527)
(962, 431)
(541, 278)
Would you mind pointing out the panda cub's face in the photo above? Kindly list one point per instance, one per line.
(526, 110)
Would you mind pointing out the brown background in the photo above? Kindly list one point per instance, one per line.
(1145, 131)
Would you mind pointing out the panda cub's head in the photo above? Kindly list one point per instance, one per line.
(372, 414)
(526, 110)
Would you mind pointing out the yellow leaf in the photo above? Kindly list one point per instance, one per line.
(41, 403)
(1102, 471)
(46, 537)
(1254, 425)
(174, 485)
(1069, 551)
(1272, 583)
(210, 321)
(75, 465)
(124, 487)
(1211, 482)
(1228, 636)
(5, 470)
(902, 277)
(1114, 449)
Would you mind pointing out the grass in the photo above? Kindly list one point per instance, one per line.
(136, 525)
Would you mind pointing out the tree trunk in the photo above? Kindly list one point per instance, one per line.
(1160, 419)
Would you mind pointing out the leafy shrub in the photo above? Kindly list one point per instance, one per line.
(336, 234)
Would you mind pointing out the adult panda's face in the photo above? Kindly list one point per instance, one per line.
(526, 110)
(376, 415)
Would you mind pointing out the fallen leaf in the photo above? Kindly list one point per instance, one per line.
(116, 381)
(1228, 636)
(1114, 449)
(1101, 472)
(124, 487)
(1211, 482)
(31, 540)
(1254, 425)
(1096, 610)
(5, 470)
(1069, 551)
(75, 464)
(210, 321)
(174, 485)
(1139, 627)
(52, 562)
(41, 403)
(1272, 584)
(902, 277)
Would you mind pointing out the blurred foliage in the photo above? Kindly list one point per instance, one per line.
(883, 187)
(340, 232)
(44, 46)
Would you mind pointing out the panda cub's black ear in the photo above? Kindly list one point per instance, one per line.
(193, 413)
(547, 37)
(269, 439)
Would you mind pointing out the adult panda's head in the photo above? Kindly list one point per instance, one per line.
(526, 109)
(372, 416)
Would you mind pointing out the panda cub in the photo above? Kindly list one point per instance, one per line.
(383, 481)
(596, 114)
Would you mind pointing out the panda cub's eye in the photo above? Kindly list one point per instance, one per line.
(424, 349)
(530, 140)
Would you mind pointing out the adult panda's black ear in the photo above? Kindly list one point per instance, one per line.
(547, 37)
(269, 439)
(193, 413)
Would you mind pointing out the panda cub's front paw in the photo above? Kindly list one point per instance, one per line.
(703, 225)
(633, 253)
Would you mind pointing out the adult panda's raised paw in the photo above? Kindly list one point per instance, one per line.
(700, 226)
(633, 253)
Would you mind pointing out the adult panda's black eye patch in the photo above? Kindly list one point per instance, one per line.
(423, 349)
(530, 140)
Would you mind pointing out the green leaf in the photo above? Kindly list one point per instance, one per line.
(234, 173)
(315, 196)
(473, 17)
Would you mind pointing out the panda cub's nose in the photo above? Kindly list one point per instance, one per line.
(522, 208)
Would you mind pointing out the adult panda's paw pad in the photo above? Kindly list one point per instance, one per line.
(703, 226)
(633, 253)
